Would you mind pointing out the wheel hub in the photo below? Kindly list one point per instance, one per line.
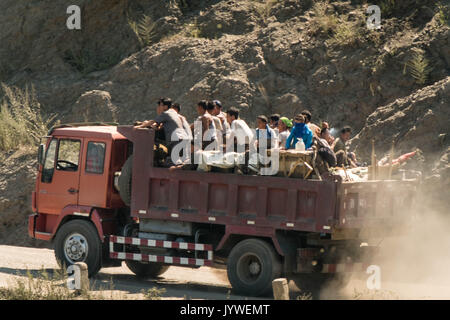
(249, 268)
(254, 268)
(76, 248)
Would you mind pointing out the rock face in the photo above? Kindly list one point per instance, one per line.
(419, 121)
(93, 106)
(226, 50)
(260, 56)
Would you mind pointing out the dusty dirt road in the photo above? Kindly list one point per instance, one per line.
(203, 283)
(179, 283)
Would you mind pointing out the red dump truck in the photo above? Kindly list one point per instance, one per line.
(257, 227)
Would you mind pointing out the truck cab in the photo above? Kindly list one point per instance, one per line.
(76, 177)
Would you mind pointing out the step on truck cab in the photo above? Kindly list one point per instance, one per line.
(100, 199)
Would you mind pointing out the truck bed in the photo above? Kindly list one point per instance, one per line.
(259, 202)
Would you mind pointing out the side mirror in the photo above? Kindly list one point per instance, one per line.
(41, 154)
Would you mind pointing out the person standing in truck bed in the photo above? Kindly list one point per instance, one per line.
(274, 120)
(204, 128)
(240, 134)
(300, 130)
(186, 126)
(217, 123)
(284, 127)
(264, 132)
(314, 128)
(222, 117)
(340, 148)
(167, 119)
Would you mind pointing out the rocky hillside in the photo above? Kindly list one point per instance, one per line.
(260, 56)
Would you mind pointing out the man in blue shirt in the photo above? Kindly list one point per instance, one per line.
(300, 130)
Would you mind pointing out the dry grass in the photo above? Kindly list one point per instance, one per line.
(41, 287)
(189, 30)
(21, 120)
(324, 22)
(45, 286)
(304, 296)
(153, 293)
(374, 295)
(347, 33)
(264, 9)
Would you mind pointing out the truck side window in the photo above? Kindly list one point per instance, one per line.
(95, 157)
(49, 164)
(68, 155)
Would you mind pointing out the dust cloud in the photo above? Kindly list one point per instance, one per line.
(413, 265)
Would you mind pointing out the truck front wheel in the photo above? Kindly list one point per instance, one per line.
(146, 270)
(78, 241)
(252, 266)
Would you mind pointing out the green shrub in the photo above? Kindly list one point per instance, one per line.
(388, 6)
(145, 30)
(419, 67)
(193, 30)
(21, 119)
(443, 14)
(86, 62)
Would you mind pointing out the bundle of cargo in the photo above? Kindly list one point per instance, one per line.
(295, 164)
(387, 166)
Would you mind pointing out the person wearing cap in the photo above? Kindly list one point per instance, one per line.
(284, 127)
(263, 131)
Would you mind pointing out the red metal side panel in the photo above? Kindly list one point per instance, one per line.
(364, 204)
(229, 199)
(279, 203)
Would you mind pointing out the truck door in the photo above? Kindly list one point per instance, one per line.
(95, 174)
(59, 181)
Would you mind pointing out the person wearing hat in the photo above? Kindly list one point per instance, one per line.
(284, 129)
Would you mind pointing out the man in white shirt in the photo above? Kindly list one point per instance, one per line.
(240, 134)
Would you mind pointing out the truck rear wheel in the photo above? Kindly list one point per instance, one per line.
(78, 241)
(252, 266)
(146, 270)
(125, 181)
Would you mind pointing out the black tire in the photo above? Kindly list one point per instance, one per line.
(266, 264)
(146, 270)
(78, 233)
(125, 181)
